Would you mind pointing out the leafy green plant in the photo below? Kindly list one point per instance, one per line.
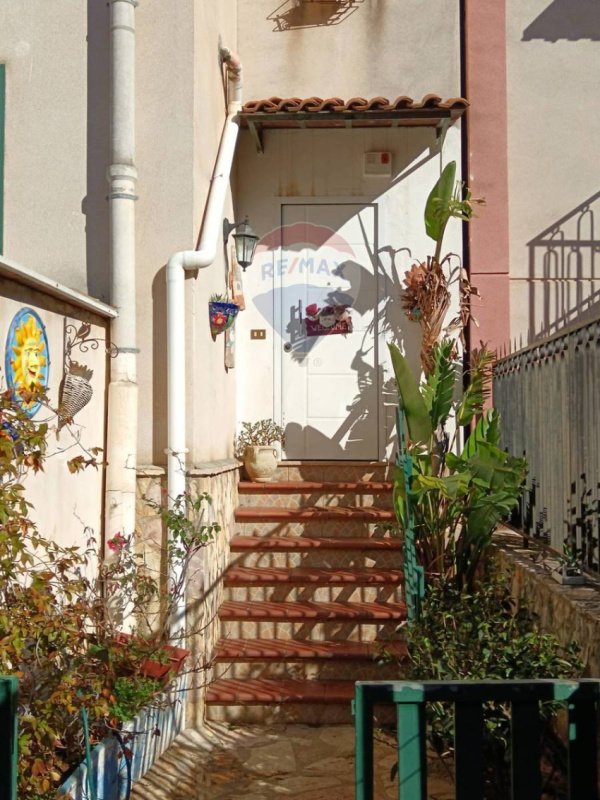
(130, 694)
(427, 285)
(455, 499)
(61, 614)
(485, 635)
(261, 433)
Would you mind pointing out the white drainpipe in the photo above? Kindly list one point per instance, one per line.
(204, 256)
(122, 175)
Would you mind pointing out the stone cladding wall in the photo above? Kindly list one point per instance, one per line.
(572, 613)
(219, 479)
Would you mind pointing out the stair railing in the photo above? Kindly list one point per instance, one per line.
(8, 738)
(414, 576)
(469, 698)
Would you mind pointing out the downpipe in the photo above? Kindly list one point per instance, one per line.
(177, 266)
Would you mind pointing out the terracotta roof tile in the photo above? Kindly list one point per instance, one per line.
(273, 105)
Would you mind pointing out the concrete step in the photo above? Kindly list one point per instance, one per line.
(308, 660)
(281, 650)
(319, 493)
(304, 544)
(315, 527)
(314, 593)
(313, 612)
(231, 692)
(246, 514)
(269, 701)
(306, 576)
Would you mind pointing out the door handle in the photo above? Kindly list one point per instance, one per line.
(287, 347)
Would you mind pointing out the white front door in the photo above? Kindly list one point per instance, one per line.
(329, 355)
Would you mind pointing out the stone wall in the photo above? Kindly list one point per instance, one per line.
(572, 613)
(218, 479)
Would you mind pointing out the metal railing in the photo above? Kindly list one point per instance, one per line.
(8, 738)
(469, 699)
(548, 395)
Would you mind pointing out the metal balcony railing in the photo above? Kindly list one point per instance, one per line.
(469, 699)
(8, 738)
(548, 395)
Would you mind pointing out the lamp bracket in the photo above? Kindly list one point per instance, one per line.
(227, 228)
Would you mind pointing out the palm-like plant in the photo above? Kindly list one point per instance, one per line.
(455, 500)
(426, 297)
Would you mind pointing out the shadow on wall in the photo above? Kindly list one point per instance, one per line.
(293, 14)
(566, 19)
(564, 271)
(94, 205)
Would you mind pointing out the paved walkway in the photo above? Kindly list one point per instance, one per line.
(256, 763)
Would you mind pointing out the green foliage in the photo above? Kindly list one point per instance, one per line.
(477, 391)
(438, 389)
(437, 208)
(456, 500)
(60, 614)
(418, 420)
(264, 432)
(131, 694)
(445, 201)
(484, 635)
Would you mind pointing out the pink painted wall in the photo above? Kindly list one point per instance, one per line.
(485, 64)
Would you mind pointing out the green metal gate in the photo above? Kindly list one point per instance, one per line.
(469, 697)
(8, 738)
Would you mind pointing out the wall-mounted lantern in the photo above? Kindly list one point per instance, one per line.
(245, 241)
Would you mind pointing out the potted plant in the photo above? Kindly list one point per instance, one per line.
(567, 568)
(255, 446)
(221, 313)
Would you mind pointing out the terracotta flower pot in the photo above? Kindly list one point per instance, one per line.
(260, 462)
(166, 667)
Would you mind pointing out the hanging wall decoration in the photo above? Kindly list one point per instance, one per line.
(27, 359)
(327, 320)
(76, 390)
(221, 314)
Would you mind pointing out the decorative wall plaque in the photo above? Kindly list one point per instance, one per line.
(27, 359)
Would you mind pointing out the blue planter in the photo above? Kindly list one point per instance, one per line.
(155, 728)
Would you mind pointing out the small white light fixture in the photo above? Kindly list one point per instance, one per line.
(245, 241)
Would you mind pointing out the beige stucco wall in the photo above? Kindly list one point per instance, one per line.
(44, 48)
(382, 48)
(180, 113)
(554, 130)
(57, 151)
(67, 507)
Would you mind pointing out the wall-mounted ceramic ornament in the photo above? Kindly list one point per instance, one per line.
(27, 359)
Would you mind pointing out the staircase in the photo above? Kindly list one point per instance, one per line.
(312, 597)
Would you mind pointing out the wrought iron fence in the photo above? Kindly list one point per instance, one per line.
(549, 397)
(8, 738)
(469, 699)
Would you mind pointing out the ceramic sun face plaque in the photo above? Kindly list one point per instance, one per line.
(27, 359)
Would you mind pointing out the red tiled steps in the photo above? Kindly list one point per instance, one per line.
(303, 576)
(305, 611)
(264, 691)
(288, 650)
(314, 514)
(310, 487)
(281, 544)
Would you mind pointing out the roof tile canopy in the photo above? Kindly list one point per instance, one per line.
(358, 112)
(274, 105)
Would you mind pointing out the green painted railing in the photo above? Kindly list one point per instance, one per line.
(469, 697)
(414, 576)
(8, 738)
